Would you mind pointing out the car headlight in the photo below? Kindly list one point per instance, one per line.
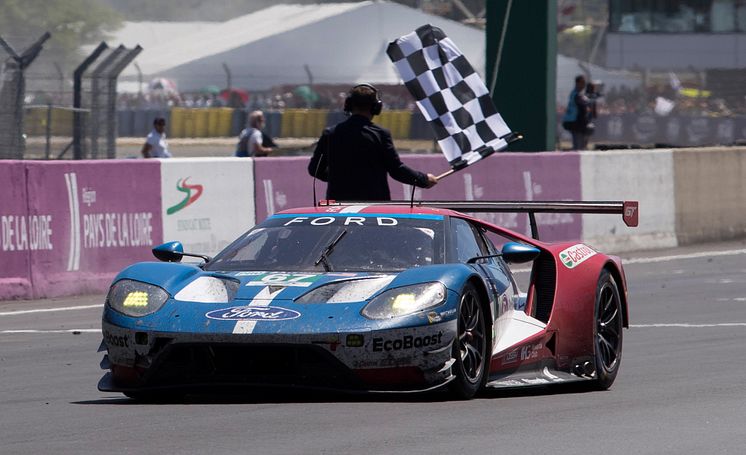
(135, 298)
(405, 300)
(209, 289)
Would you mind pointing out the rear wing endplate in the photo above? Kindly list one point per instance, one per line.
(628, 209)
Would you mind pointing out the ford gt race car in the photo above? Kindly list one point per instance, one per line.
(371, 297)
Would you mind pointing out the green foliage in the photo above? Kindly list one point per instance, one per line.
(72, 23)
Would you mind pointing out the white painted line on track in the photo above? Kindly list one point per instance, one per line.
(686, 325)
(51, 331)
(702, 254)
(676, 257)
(52, 310)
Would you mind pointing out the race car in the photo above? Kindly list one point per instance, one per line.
(385, 297)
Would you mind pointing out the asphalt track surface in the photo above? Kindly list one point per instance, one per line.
(681, 389)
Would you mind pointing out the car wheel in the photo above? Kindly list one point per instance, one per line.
(470, 346)
(607, 331)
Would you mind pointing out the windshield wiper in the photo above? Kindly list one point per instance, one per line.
(324, 258)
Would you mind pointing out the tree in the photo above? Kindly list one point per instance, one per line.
(72, 23)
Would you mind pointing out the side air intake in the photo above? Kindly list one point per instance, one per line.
(545, 281)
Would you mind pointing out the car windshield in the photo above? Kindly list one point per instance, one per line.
(376, 243)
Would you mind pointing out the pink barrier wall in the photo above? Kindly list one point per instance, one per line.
(15, 272)
(83, 223)
(284, 183)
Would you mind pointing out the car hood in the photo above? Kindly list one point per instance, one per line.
(291, 285)
(175, 278)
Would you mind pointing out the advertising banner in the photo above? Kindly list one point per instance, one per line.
(93, 218)
(207, 202)
(508, 177)
(283, 183)
(15, 245)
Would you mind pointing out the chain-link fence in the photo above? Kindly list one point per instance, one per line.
(51, 115)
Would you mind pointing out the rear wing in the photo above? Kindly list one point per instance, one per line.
(628, 209)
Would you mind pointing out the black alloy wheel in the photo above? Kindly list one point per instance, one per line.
(607, 332)
(470, 345)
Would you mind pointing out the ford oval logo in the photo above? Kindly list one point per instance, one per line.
(253, 313)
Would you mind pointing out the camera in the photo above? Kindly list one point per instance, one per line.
(594, 90)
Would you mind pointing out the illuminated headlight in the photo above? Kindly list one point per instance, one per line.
(405, 300)
(135, 298)
(209, 289)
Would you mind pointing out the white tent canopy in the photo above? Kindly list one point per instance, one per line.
(340, 43)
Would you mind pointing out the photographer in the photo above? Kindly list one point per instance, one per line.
(577, 118)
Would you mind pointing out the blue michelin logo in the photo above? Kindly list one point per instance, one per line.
(253, 313)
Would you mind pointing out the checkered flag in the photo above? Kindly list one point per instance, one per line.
(450, 95)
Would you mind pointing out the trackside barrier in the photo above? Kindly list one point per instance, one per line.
(15, 251)
(207, 202)
(67, 227)
(35, 121)
(397, 121)
(647, 177)
(303, 122)
(202, 122)
(81, 222)
(139, 122)
(282, 183)
(710, 186)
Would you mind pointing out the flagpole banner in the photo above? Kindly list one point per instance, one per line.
(450, 94)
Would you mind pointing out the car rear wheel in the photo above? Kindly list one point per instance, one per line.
(607, 332)
(470, 346)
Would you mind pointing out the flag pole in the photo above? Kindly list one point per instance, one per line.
(445, 174)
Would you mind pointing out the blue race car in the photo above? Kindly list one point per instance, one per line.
(363, 297)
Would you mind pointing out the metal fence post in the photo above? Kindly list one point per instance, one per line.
(96, 108)
(111, 102)
(77, 99)
(12, 144)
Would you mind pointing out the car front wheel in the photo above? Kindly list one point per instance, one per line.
(470, 346)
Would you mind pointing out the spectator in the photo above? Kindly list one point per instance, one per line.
(156, 145)
(251, 141)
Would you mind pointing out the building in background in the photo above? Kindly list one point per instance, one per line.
(669, 35)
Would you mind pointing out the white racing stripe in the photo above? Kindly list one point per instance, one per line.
(262, 299)
(51, 331)
(51, 310)
(353, 209)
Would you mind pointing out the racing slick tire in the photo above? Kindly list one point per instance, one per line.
(470, 346)
(607, 331)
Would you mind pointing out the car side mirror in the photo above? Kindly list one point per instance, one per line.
(519, 253)
(169, 252)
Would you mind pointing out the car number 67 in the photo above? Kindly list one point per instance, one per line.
(286, 278)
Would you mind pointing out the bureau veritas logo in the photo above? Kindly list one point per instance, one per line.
(575, 255)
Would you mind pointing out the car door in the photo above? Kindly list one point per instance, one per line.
(469, 242)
